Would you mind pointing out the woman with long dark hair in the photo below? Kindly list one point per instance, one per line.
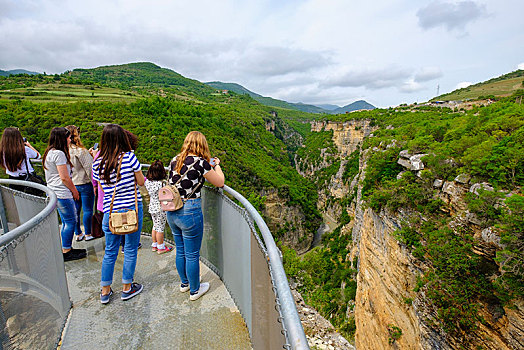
(115, 148)
(14, 157)
(82, 166)
(57, 168)
(187, 172)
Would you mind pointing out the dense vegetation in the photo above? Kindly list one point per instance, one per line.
(235, 126)
(486, 143)
(258, 145)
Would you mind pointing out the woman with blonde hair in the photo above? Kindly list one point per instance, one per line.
(188, 172)
(82, 163)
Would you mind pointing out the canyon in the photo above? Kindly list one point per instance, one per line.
(388, 312)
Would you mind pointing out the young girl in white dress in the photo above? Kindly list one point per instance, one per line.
(154, 177)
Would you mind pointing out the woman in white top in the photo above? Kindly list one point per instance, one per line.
(14, 157)
(82, 165)
(57, 167)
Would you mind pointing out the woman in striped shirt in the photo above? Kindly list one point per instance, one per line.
(114, 146)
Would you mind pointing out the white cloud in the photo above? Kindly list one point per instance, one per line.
(332, 51)
(521, 66)
(370, 78)
(463, 85)
(411, 86)
(427, 74)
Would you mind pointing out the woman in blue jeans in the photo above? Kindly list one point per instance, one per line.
(82, 164)
(57, 168)
(188, 172)
(115, 148)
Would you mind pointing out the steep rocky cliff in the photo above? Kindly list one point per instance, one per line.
(388, 312)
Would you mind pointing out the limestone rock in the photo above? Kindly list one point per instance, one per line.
(477, 186)
(463, 179)
(490, 235)
(319, 331)
(438, 183)
(411, 162)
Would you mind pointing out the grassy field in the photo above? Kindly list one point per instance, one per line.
(69, 93)
(502, 88)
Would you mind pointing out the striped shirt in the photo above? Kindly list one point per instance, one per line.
(125, 190)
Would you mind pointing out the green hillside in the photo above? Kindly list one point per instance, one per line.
(134, 97)
(140, 75)
(504, 85)
(258, 143)
(267, 101)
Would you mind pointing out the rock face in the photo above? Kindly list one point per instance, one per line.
(278, 213)
(411, 162)
(320, 333)
(386, 279)
(346, 135)
(387, 272)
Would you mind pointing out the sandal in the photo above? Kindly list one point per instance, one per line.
(80, 237)
(167, 249)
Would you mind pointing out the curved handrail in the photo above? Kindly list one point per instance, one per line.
(38, 218)
(292, 323)
(295, 332)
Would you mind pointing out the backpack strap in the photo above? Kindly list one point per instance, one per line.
(116, 183)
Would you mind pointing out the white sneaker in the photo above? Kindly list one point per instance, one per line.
(185, 287)
(204, 287)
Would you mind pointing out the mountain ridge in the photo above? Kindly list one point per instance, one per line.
(304, 107)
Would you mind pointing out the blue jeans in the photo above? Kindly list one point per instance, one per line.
(86, 203)
(67, 211)
(112, 248)
(187, 225)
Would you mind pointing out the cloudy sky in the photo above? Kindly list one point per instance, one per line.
(311, 51)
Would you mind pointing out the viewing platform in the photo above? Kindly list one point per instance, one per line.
(46, 304)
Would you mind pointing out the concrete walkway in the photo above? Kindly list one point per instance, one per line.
(161, 317)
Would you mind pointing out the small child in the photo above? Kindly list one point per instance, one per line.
(154, 177)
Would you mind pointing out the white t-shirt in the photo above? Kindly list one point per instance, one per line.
(52, 177)
(30, 154)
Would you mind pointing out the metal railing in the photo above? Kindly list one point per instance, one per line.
(268, 289)
(34, 297)
(251, 268)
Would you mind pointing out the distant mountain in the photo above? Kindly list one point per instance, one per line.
(6, 73)
(355, 106)
(268, 101)
(328, 107)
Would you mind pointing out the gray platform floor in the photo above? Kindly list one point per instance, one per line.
(161, 317)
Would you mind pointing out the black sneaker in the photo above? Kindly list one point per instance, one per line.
(74, 254)
(136, 288)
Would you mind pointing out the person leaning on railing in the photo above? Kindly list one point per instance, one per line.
(187, 172)
(15, 153)
(57, 169)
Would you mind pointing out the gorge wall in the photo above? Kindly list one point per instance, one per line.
(388, 312)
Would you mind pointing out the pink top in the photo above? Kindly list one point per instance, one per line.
(98, 190)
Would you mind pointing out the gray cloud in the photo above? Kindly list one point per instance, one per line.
(427, 74)
(278, 60)
(452, 15)
(372, 79)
